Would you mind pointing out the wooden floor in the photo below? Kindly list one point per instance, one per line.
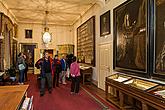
(99, 92)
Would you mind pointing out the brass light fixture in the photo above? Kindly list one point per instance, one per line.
(46, 37)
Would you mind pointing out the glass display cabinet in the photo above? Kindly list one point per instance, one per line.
(140, 84)
(119, 77)
(158, 91)
(128, 91)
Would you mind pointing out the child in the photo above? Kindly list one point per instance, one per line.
(75, 76)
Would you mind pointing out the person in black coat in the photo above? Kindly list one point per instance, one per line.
(57, 68)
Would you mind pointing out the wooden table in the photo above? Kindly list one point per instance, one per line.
(86, 71)
(11, 97)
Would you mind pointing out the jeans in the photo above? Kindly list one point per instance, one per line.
(21, 76)
(63, 76)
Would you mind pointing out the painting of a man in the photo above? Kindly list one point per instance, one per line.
(28, 33)
(105, 24)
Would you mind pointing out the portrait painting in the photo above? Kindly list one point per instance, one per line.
(160, 37)
(105, 24)
(130, 36)
(28, 33)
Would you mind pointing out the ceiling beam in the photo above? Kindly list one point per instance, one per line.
(43, 11)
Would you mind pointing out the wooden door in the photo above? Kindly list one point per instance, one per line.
(105, 64)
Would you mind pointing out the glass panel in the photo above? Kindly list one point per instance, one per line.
(119, 77)
(140, 84)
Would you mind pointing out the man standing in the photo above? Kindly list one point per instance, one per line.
(46, 73)
(64, 68)
(57, 68)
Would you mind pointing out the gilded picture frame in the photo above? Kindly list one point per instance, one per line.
(131, 36)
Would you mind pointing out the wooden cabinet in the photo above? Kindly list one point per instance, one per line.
(130, 92)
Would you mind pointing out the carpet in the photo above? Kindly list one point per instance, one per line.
(107, 105)
(60, 98)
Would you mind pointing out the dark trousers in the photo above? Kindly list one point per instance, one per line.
(26, 70)
(75, 86)
(48, 78)
(56, 80)
(21, 76)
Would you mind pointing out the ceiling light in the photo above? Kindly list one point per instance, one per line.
(46, 37)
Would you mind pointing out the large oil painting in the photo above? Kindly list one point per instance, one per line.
(28, 50)
(130, 36)
(160, 37)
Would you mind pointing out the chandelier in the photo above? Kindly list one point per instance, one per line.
(46, 36)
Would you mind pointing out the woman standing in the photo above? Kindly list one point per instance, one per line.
(21, 67)
(75, 76)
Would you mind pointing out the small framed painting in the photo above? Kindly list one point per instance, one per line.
(105, 24)
(28, 33)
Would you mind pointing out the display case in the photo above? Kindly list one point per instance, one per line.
(158, 91)
(86, 73)
(140, 84)
(86, 42)
(132, 92)
(118, 77)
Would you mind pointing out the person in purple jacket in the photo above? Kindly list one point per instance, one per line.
(75, 76)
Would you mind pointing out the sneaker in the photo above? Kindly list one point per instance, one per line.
(22, 83)
(71, 93)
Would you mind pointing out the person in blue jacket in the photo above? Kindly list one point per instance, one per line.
(64, 68)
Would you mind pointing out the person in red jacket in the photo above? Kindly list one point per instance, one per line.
(75, 76)
(57, 68)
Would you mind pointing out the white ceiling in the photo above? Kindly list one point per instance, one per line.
(61, 12)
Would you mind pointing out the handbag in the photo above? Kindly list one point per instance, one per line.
(21, 66)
